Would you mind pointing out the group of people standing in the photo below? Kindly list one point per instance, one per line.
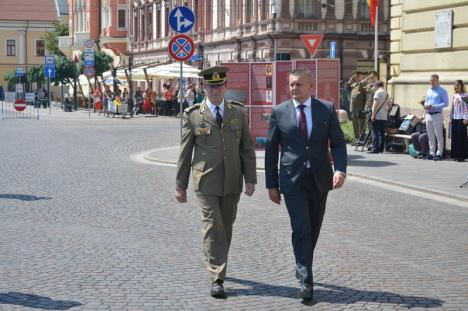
(147, 102)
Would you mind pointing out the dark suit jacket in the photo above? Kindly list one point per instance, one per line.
(295, 152)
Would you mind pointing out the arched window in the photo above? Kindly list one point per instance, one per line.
(306, 8)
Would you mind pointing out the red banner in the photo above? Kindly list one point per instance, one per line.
(238, 85)
(328, 84)
(281, 71)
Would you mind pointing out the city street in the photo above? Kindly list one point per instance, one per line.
(83, 226)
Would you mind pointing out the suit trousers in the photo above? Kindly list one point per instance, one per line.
(218, 214)
(306, 209)
(435, 132)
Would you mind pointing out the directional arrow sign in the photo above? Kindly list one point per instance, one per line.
(312, 42)
(181, 19)
(49, 72)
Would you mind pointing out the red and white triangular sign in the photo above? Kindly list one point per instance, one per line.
(312, 42)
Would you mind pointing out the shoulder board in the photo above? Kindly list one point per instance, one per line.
(236, 103)
(190, 109)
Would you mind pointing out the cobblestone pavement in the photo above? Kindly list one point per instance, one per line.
(82, 227)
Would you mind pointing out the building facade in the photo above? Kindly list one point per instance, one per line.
(103, 21)
(427, 37)
(22, 27)
(260, 30)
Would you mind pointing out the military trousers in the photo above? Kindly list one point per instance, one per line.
(358, 119)
(218, 214)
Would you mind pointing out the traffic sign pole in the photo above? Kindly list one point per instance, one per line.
(48, 91)
(181, 96)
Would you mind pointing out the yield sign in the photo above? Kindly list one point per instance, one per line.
(312, 42)
(181, 47)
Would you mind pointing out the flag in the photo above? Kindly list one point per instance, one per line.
(373, 4)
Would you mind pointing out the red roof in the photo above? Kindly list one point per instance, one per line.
(28, 10)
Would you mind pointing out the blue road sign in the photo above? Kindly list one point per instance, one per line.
(89, 59)
(19, 71)
(181, 19)
(332, 49)
(49, 61)
(49, 72)
(196, 58)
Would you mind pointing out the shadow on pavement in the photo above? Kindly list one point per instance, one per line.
(334, 294)
(35, 301)
(355, 160)
(23, 197)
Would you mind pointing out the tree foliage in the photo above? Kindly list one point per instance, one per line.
(51, 37)
(10, 76)
(36, 74)
(65, 71)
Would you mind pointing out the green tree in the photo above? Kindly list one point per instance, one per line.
(51, 37)
(10, 77)
(65, 71)
(36, 74)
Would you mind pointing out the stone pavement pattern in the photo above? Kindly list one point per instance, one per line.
(85, 228)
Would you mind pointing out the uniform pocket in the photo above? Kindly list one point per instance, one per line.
(197, 172)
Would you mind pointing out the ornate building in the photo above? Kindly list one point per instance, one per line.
(257, 30)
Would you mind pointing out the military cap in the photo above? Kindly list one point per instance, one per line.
(214, 75)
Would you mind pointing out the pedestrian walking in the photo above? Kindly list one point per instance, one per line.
(436, 100)
(217, 133)
(304, 126)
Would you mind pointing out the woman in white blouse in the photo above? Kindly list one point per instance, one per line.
(459, 118)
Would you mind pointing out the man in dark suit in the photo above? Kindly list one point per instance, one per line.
(304, 127)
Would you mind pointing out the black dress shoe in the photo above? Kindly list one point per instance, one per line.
(306, 292)
(217, 289)
(372, 151)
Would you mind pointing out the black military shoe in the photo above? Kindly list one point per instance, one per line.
(306, 292)
(217, 289)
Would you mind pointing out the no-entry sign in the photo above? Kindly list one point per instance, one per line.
(20, 104)
(181, 47)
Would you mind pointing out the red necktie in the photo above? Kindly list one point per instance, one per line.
(303, 123)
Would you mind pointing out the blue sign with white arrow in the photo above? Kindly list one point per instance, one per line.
(181, 19)
(49, 72)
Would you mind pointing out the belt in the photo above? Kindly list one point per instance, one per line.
(431, 113)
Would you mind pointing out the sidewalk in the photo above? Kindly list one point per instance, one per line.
(441, 178)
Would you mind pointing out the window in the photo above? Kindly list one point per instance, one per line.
(11, 48)
(306, 8)
(265, 9)
(221, 13)
(363, 10)
(40, 48)
(122, 19)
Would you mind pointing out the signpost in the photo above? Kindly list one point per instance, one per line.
(181, 47)
(312, 43)
(89, 63)
(49, 72)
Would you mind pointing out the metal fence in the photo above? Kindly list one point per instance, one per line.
(8, 111)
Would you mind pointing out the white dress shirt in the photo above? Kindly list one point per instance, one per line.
(213, 108)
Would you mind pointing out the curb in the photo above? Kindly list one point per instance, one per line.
(380, 180)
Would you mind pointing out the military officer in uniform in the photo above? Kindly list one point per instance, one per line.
(358, 102)
(217, 133)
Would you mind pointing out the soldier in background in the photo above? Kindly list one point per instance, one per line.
(217, 132)
(358, 102)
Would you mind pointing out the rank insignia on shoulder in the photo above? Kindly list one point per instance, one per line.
(190, 109)
(236, 103)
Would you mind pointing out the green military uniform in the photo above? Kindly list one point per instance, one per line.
(358, 102)
(222, 158)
